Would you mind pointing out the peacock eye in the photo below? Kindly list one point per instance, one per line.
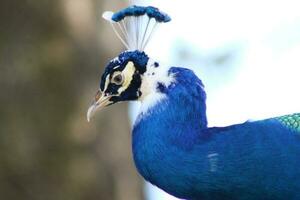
(118, 79)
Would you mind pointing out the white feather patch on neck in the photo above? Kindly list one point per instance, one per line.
(150, 94)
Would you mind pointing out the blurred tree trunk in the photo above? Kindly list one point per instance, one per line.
(52, 54)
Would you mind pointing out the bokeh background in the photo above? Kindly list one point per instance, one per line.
(52, 53)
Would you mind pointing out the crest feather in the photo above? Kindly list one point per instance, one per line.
(135, 25)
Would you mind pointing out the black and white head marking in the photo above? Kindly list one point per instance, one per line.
(155, 77)
(122, 76)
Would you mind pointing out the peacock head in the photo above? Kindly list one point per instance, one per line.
(121, 80)
(123, 76)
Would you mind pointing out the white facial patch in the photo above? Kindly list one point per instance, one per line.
(153, 75)
(128, 75)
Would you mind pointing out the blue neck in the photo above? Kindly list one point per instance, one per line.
(170, 126)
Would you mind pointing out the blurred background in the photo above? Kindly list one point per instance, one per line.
(52, 53)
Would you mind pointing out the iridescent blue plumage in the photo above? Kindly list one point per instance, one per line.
(172, 146)
(174, 149)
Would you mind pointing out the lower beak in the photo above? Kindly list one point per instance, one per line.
(100, 102)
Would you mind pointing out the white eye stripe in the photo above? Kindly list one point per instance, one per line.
(106, 83)
(116, 67)
(128, 76)
(125, 77)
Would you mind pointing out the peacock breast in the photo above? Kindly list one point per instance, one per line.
(165, 161)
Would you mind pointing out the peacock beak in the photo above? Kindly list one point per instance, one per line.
(100, 101)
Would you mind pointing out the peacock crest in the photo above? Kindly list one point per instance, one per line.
(135, 25)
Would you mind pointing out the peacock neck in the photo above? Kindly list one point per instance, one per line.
(175, 108)
(174, 122)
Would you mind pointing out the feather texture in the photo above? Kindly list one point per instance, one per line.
(135, 25)
(291, 121)
(172, 146)
(174, 149)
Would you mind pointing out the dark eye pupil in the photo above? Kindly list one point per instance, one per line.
(118, 78)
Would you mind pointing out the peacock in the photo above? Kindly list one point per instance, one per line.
(173, 147)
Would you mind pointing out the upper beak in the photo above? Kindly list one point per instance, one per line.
(100, 101)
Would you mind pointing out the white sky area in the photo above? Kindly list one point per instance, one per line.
(261, 78)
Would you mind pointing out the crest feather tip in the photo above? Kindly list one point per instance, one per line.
(135, 25)
(107, 15)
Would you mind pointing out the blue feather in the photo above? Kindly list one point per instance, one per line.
(137, 11)
(172, 146)
(174, 149)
